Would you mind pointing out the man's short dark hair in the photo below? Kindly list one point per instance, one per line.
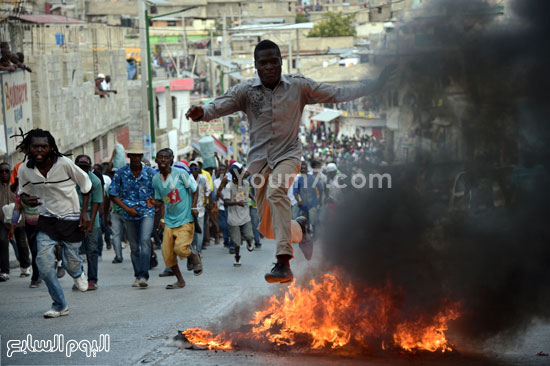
(166, 150)
(266, 44)
(6, 163)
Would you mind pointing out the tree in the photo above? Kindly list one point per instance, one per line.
(301, 18)
(334, 25)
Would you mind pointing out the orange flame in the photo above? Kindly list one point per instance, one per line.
(416, 335)
(333, 314)
(205, 338)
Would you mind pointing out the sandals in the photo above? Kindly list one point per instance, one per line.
(197, 263)
(174, 286)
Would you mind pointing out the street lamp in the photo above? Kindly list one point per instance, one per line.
(150, 79)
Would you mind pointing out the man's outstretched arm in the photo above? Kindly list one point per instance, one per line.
(328, 93)
(232, 101)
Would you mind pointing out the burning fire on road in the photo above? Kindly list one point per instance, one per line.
(410, 266)
(332, 313)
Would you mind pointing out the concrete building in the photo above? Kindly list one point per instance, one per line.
(64, 63)
(172, 101)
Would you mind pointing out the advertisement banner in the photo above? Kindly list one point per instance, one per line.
(214, 127)
(16, 107)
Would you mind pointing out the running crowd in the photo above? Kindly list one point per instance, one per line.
(63, 201)
(55, 209)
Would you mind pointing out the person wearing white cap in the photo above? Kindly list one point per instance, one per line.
(98, 91)
(238, 213)
(106, 84)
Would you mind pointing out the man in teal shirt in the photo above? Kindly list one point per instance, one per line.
(176, 191)
(90, 242)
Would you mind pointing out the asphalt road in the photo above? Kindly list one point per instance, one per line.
(142, 322)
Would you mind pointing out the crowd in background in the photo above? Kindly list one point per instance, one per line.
(179, 207)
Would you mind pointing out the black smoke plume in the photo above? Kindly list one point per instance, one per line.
(488, 74)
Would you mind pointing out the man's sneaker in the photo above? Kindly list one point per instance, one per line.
(116, 260)
(60, 271)
(237, 262)
(280, 273)
(258, 246)
(34, 284)
(306, 245)
(4, 277)
(249, 246)
(136, 283)
(167, 273)
(143, 283)
(25, 272)
(81, 283)
(231, 250)
(52, 313)
(92, 286)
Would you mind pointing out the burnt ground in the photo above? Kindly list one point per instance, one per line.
(142, 323)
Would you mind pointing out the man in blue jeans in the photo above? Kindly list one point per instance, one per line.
(113, 219)
(131, 186)
(222, 213)
(48, 181)
(90, 242)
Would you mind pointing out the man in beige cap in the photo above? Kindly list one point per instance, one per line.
(132, 185)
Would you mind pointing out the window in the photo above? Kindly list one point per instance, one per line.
(171, 23)
(380, 10)
(97, 147)
(174, 107)
(105, 146)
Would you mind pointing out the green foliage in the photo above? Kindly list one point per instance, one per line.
(218, 26)
(301, 18)
(334, 25)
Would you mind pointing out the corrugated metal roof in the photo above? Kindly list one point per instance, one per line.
(47, 19)
(327, 115)
(281, 27)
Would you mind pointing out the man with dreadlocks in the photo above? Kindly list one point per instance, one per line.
(48, 180)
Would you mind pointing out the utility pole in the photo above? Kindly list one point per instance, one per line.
(211, 68)
(225, 76)
(150, 94)
(147, 61)
(185, 45)
(143, 59)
